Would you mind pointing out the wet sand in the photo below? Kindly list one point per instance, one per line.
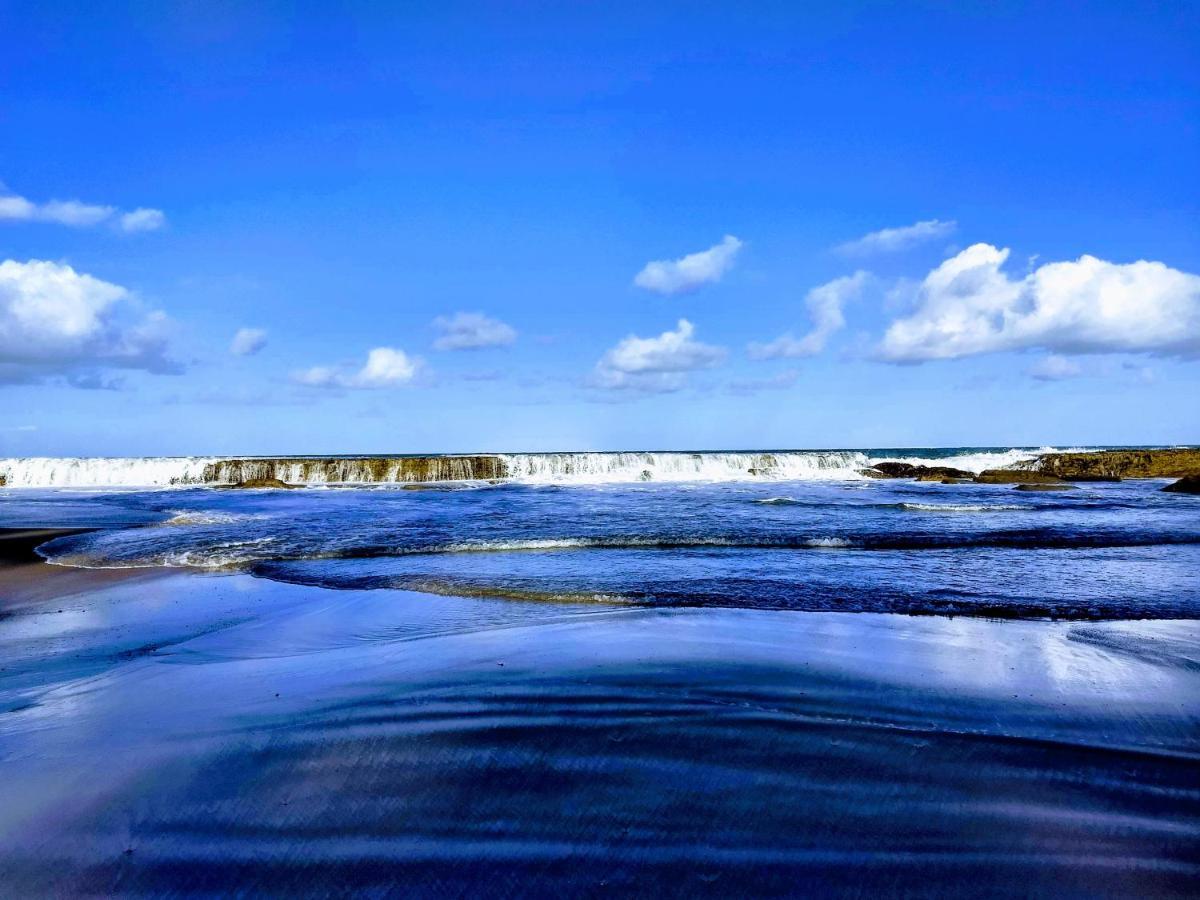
(221, 733)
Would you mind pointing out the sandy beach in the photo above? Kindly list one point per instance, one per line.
(230, 733)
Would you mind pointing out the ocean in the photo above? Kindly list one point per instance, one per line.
(645, 673)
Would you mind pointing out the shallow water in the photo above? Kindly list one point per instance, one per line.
(1103, 551)
(712, 713)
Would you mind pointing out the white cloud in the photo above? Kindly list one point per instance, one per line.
(472, 331)
(658, 363)
(825, 309)
(143, 219)
(73, 213)
(1054, 368)
(892, 240)
(968, 306)
(14, 208)
(54, 321)
(689, 272)
(385, 367)
(248, 341)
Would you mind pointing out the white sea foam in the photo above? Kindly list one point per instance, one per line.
(585, 468)
(978, 461)
(525, 468)
(208, 517)
(104, 471)
(960, 507)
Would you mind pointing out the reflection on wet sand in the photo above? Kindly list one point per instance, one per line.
(231, 733)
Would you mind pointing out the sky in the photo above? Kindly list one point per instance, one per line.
(405, 228)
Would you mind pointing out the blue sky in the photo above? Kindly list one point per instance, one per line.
(369, 192)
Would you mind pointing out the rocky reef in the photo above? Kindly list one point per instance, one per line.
(1110, 465)
(363, 469)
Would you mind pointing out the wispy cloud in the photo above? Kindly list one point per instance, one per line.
(75, 214)
(689, 272)
(472, 331)
(248, 341)
(143, 219)
(385, 367)
(1054, 368)
(892, 240)
(656, 364)
(825, 309)
(967, 306)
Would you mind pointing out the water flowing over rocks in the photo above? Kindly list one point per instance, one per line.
(364, 470)
(994, 465)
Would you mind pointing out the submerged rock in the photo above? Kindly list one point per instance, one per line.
(1111, 465)
(1189, 484)
(262, 483)
(1015, 476)
(1046, 487)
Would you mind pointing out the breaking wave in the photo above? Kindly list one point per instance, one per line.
(962, 507)
(77, 551)
(208, 517)
(522, 468)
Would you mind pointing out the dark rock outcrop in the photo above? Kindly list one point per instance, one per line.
(1189, 484)
(908, 470)
(1109, 465)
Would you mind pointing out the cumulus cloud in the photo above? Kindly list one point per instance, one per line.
(385, 367)
(56, 321)
(689, 272)
(248, 341)
(824, 305)
(657, 363)
(968, 306)
(15, 208)
(1054, 368)
(892, 240)
(472, 331)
